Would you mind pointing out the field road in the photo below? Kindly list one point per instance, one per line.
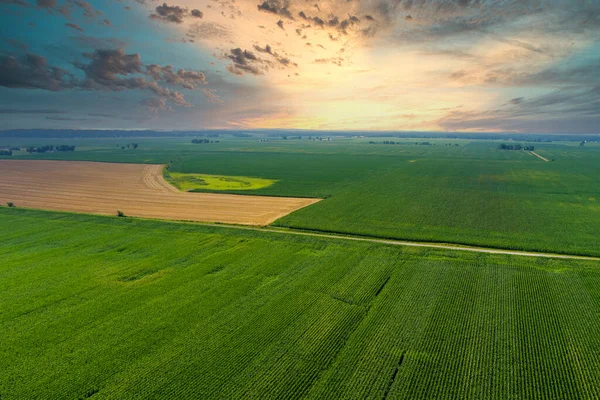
(537, 155)
(135, 189)
(444, 246)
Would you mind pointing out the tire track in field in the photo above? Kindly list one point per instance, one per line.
(537, 155)
(408, 243)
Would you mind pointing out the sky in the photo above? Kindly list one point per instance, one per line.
(529, 66)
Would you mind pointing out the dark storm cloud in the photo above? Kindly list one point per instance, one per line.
(32, 72)
(276, 7)
(105, 70)
(314, 20)
(174, 14)
(169, 13)
(106, 65)
(333, 21)
(244, 61)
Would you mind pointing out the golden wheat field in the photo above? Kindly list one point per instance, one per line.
(135, 189)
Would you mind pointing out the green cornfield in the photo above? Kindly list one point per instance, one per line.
(112, 308)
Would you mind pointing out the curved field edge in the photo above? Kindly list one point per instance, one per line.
(140, 190)
(132, 308)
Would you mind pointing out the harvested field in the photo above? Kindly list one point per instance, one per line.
(136, 189)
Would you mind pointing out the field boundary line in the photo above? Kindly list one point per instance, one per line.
(367, 239)
(407, 243)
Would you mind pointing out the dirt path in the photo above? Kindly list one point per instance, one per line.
(392, 242)
(136, 189)
(537, 155)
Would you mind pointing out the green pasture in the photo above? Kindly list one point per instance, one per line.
(119, 308)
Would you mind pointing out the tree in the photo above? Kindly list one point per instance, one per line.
(10, 204)
(120, 213)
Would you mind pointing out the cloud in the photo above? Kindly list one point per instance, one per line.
(174, 14)
(516, 100)
(209, 30)
(331, 60)
(17, 43)
(74, 26)
(32, 72)
(276, 7)
(30, 111)
(46, 3)
(106, 70)
(315, 20)
(88, 10)
(17, 2)
(244, 61)
(168, 13)
(106, 65)
(155, 104)
(186, 79)
(571, 110)
(96, 43)
(284, 61)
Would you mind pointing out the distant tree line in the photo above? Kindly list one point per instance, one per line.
(394, 142)
(129, 146)
(515, 147)
(89, 133)
(201, 141)
(8, 150)
(50, 148)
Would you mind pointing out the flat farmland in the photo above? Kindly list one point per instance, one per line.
(112, 308)
(135, 189)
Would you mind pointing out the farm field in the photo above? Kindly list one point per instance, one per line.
(197, 182)
(124, 308)
(454, 190)
(134, 189)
